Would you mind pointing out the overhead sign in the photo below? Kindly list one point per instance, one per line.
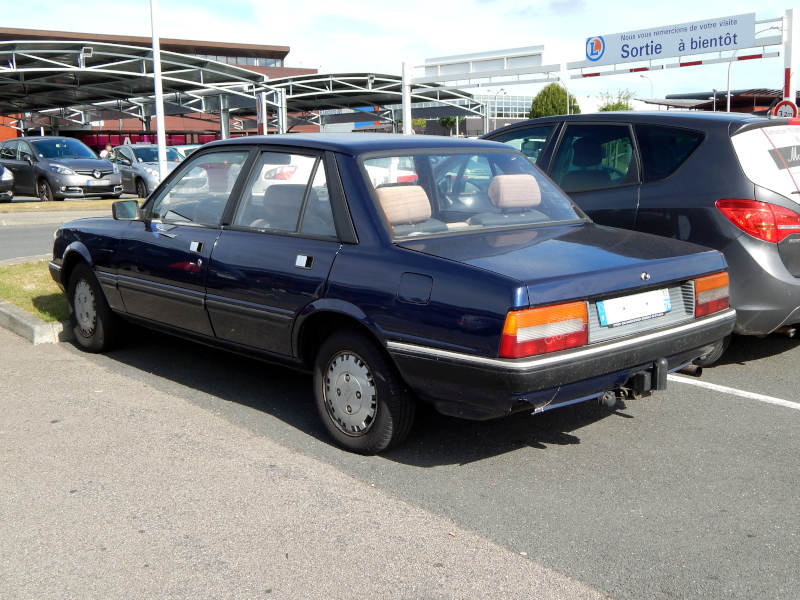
(667, 41)
(785, 108)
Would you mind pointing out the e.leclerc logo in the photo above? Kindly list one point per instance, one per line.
(595, 47)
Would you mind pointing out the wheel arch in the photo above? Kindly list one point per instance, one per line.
(75, 253)
(323, 318)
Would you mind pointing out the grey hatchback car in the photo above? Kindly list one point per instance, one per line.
(54, 168)
(138, 165)
(728, 181)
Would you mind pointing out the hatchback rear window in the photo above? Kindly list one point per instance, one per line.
(770, 157)
(664, 149)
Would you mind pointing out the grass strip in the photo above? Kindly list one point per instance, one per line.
(30, 287)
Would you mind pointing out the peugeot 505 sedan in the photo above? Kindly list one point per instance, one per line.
(728, 181)
(380, 275)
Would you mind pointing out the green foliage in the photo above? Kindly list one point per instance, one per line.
(621, 102)
(419, 123)
(552, 100)
(448, 123)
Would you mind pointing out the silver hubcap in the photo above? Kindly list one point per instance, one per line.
(85, 310)
(350, 394)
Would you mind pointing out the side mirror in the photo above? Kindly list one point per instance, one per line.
(124, 161)
(29, 159)
(126, 210)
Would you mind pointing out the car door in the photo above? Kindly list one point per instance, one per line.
(597, 165)
(124, 158)
(163, 260)
(22, 169)
(275, 256)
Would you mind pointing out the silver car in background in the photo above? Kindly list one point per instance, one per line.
(138, 165)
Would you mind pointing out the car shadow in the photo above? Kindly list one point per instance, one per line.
(747, 348)
(52, 305)
(202, 372)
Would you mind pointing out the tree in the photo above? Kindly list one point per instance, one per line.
(448, 123)
(621, 102)
(419, 123)
(552, 100)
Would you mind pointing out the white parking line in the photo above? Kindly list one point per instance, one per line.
(735, 392)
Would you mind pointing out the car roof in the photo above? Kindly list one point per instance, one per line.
(695, 119)
(359, 143)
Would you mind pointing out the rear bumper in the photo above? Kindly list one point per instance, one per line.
(478, 387)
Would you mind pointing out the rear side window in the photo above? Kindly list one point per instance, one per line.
(770, 157)
(664, 149)
(594, 157)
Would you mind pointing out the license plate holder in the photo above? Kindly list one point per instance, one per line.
(634, 308)
(96, 182)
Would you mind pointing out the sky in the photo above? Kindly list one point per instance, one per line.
(361, 35)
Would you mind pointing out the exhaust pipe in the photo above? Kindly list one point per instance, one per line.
(692, 370)
(787, 330)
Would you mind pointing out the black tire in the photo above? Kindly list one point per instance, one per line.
(141, 189)
(94, 324)
(719, 349)
(350, 363)
(44, 191)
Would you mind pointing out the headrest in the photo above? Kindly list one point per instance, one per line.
(586, 153)
(284, 194)
(404, 204)
(515, 191)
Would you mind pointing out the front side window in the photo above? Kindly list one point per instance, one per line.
(437, 193)
(530, 141)
(594, 157)
(24, 152)
(287, 193)
(62, 148)
(150, 154)
(201, 191)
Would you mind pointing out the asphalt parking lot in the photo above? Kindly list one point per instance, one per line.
(688, 493)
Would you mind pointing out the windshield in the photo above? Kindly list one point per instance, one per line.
(150, 154)
(431, 194)
(62, 148)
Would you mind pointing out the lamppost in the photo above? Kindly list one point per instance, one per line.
(715, 99)
(564, 85)
(651, 84)
(504, 92)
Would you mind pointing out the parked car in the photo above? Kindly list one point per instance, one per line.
(728, 181)
(138, 166)
(6, 184)
(185, 149)
(54, 168)
(503, 300)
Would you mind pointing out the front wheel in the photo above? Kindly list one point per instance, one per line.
(93, 322)
(141, 189)
(363, 402)
(44, 190)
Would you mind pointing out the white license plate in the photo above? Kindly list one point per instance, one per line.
(637, 307)
(96, 182)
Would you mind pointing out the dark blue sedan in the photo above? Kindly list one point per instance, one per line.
(396, 269)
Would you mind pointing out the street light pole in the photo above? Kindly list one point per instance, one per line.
(160, 133)
(495, 105)
(733, 56)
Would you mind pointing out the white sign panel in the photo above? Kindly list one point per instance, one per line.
(666, 41)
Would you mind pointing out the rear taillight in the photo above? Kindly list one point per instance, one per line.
(544, 329)
(711, 294)
(768, 222)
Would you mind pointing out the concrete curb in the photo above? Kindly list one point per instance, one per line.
(33, 328)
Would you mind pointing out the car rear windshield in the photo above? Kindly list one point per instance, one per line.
(62, 148)
(150, 154)
(427, 194)
(770, 157)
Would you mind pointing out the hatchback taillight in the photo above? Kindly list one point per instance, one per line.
(711, 294)
(544, 329)
(768, 222)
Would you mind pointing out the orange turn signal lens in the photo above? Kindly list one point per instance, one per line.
(544, 329)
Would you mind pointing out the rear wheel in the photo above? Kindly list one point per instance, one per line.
(93, 322)
(141, 189)
(44, 191)
(710, 358)
(364, 404)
